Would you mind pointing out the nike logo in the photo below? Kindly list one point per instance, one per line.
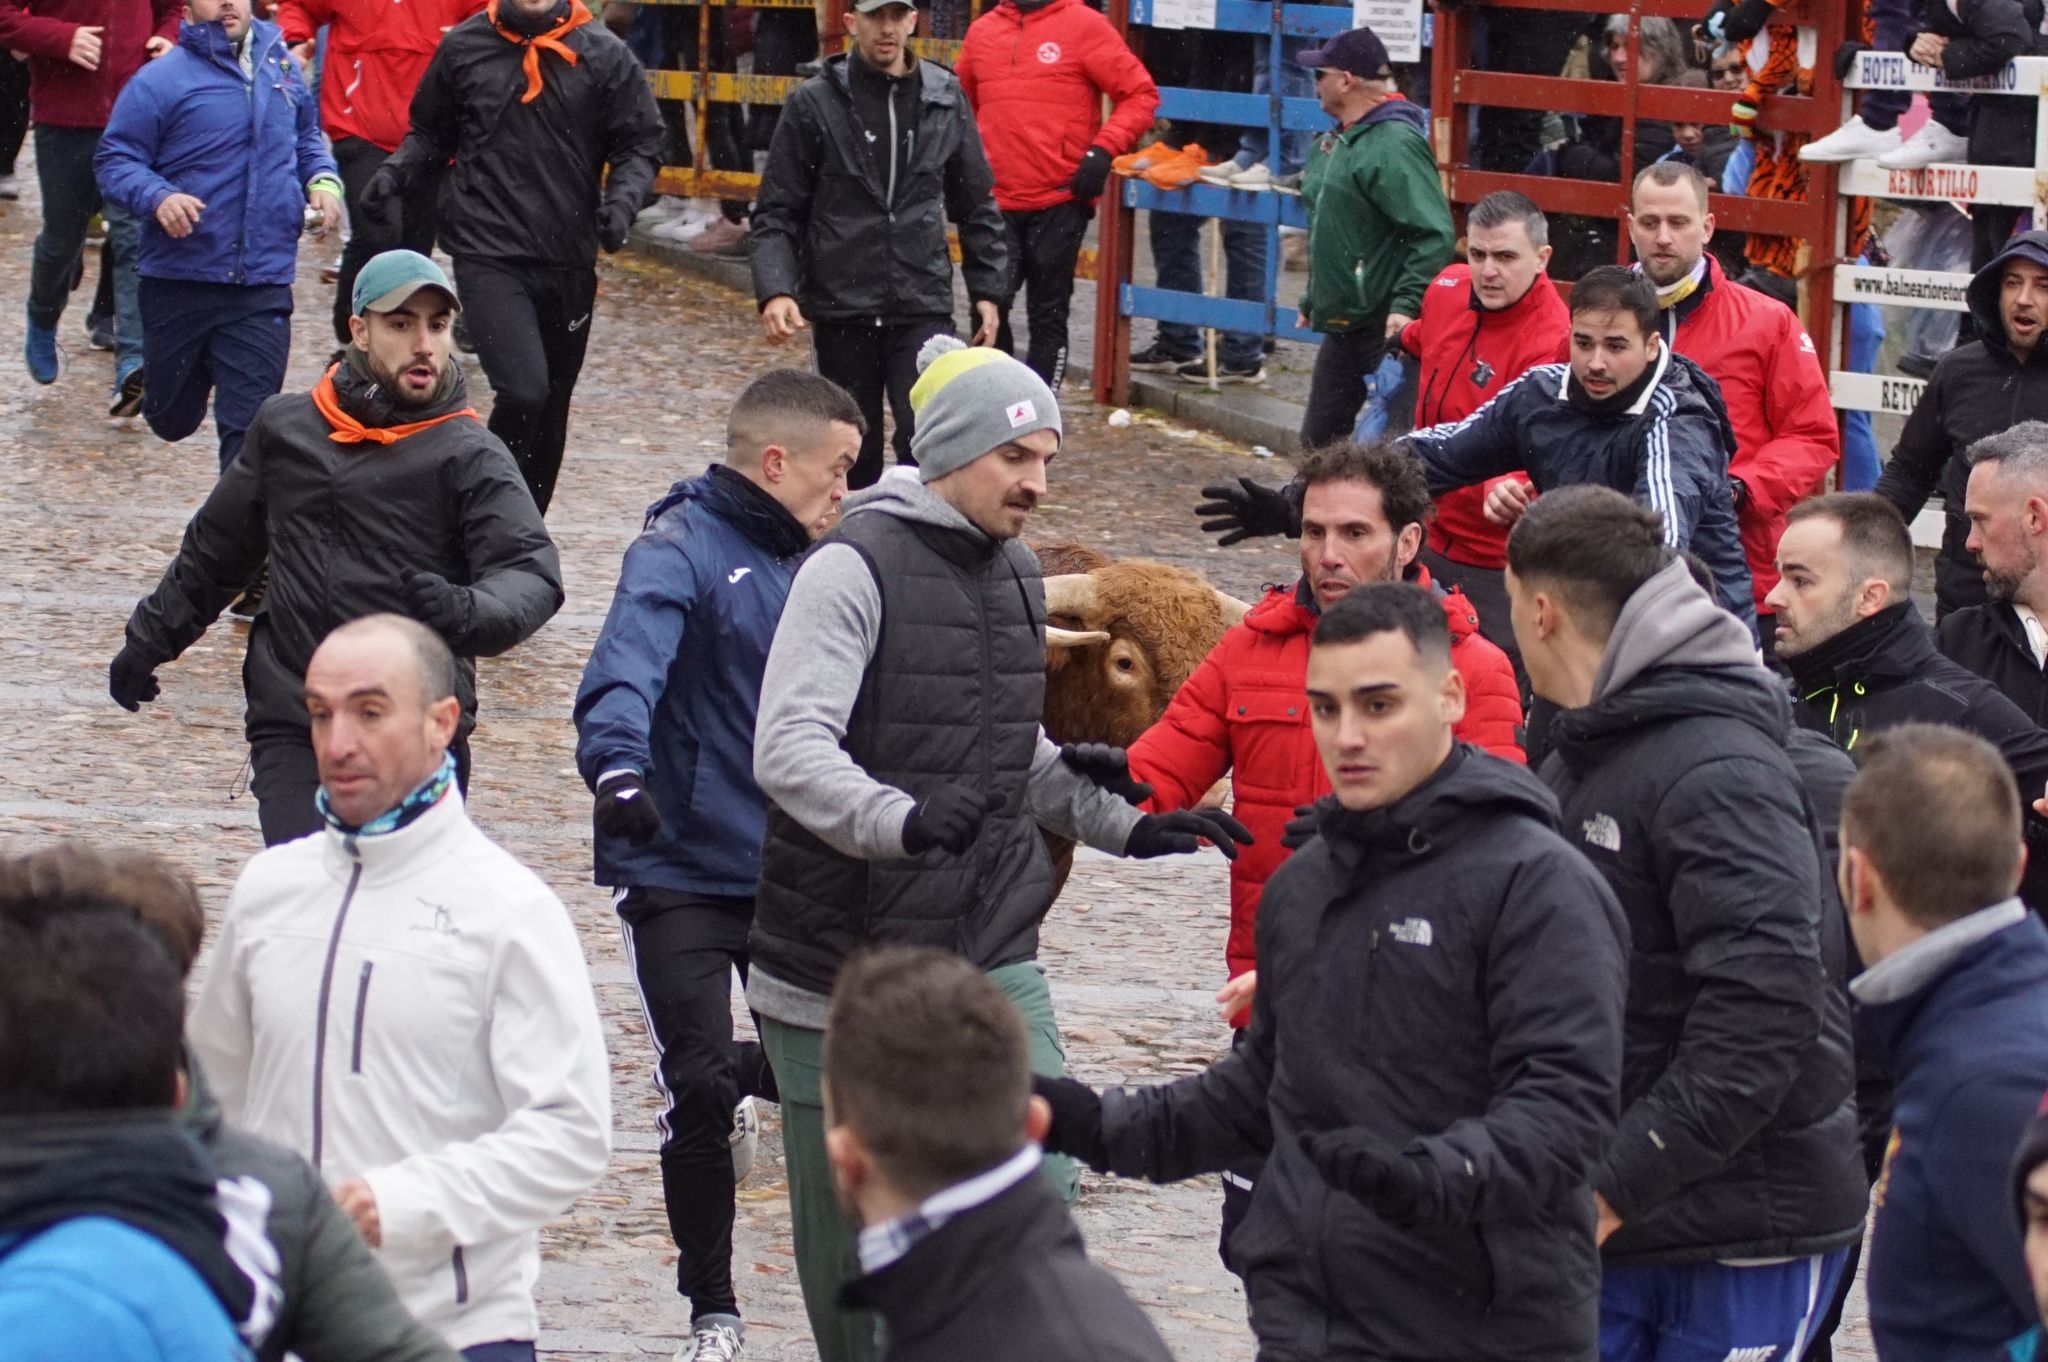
(738, 573)
(577, 325)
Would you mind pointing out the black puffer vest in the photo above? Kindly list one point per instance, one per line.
(955, 692)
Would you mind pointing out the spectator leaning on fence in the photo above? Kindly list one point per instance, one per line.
(1378, 226)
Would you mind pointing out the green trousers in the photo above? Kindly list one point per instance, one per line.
(825, 1240)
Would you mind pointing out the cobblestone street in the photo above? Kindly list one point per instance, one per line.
(95, 509)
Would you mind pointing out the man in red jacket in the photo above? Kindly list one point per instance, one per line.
(1244, 712)
(1035, 73)
(376, 52)
(1483, 324)
(1776, 395)
(80, 53)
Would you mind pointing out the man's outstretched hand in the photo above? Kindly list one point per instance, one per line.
(1247, 510)
(1175, 834)
(1076, 1119)
(1108, 767)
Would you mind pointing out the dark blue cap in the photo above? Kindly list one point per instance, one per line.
(1360, 52)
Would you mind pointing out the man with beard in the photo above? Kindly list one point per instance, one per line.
(377, 491)
(1861, 658)
(1770, 377)
(1978, 388)
(2005, 640)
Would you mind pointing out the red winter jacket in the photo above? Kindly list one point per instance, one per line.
(1453, 338)
(1245, 712)
(61, 95)
(1035, 82)
(1786, 437)
(376, 52)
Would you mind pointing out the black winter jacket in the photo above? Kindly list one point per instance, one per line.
(826, 231)
(1883, 671)
(1978, 389)
(529, 180)
(339, 524)
(1007, 1281)
(1738, 1128)
(1449, 974)
(1983, 36)
(1990, 640)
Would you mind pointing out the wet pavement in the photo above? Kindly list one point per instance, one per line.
(94, 510)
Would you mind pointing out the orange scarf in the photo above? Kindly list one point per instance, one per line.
(551, 40)
(349, 431)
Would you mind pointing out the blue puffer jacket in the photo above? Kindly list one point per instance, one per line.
(673, 684)
(192, 123)
(94, 1287)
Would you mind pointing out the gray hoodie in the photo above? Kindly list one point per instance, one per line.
(1671, 622)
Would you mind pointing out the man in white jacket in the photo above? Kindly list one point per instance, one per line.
(401, 1001)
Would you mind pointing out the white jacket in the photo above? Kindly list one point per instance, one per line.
(413, 1009)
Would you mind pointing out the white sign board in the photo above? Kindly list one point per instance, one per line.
(1397, 23)
(1901, 288)
(1183, 13)
(2013, 186)
(1875, 392)
(1894, 71)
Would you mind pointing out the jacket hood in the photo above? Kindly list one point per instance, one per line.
(2010, 960)
(1892, 645)
(1280, 613)
(902, 494)
(1398, 110)
(1671, 622)
(1437, 812)
(927, 1286)
(933, 79)
(1288, 610)
(1982, 293)
(734, 498)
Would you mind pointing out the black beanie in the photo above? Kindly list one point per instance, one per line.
(2032, 1153)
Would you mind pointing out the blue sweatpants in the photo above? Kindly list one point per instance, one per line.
(1709, 1312)
(229, 342)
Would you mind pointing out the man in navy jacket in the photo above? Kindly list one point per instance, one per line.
(665, 737)
(217, 148)
(1956, 1000)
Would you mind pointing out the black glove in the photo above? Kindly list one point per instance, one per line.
(1738, 490)
(1108, 767)
(614, 221)
(1302, 828)
(436, 602)
(1355, 1160)
(1091, 174)
(625, 810)
(1076, 1119)
(1174, 834)
(1739, 22)
(948, 819)
(379, 205)
(131, 679)
(1845, 58)
(1247, 511)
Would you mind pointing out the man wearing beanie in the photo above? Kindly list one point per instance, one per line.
(1954, 1000)
(379, 491)
(907, 776)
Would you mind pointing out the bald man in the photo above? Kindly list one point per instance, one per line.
(402, 1002)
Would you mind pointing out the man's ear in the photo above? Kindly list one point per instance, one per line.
(442, 717)
(2037, 515)
(1543, 258)
(1408, 545)
(1549, 616)
(1874, 595)
(1451, 695)
(1858, 881)
(774, 464)
(1707, 227)
(848, 1157)
(1037, 1120)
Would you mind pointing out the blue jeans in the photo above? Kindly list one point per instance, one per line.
(1177, 259)
(70, 197)
(1295, 80)
(508, 1351)
(229, 342)
(1890, 22)
(1861, 462)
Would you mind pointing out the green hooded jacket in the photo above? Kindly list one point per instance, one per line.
(1378, 227)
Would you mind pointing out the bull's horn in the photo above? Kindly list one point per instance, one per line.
(1072, 593)
(1073, 638)
(1234, 609)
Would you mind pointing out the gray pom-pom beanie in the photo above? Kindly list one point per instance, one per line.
(968, 402)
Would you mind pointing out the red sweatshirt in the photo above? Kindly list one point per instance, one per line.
(376, 52)
(61, 95)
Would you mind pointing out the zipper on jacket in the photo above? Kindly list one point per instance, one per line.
(348, 895)
(355, 1054)
(890, 201)
(461, 1277)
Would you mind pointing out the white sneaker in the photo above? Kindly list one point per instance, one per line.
(1853, 139)
(746, 1138)
(1256, 177)
(1219, 174)
(1933, 143)
(681, 228)
(711, 1340)
(662, 209)
(10, 188)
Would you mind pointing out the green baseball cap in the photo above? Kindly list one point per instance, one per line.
(387, 280)
(870, 6)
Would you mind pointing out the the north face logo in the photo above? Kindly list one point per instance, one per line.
(1049, 53)
(1414, 931)
(1602, 831)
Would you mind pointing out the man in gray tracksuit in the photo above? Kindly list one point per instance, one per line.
(907, 773)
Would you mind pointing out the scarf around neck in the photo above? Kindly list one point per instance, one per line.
(423, 797)
(535, 43)
(349, 430)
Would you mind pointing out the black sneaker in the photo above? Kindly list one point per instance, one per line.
(99, 332)
(1153, 360)
(1197, 371)
(127, 394)
(1917, 364)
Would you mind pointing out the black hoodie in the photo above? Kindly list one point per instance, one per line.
(1978, 389)
(1449, 974)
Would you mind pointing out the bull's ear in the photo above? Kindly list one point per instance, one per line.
(1073, 638)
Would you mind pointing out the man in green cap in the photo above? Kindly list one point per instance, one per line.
(379, 491)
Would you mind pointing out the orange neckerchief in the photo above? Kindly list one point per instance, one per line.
(551, 40)
(349, 431)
